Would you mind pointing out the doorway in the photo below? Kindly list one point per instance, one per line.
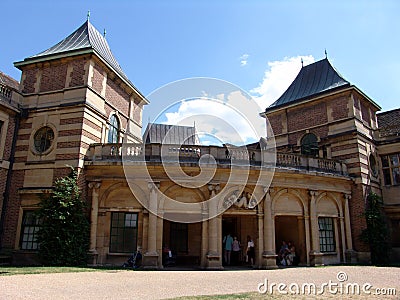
(287, 229)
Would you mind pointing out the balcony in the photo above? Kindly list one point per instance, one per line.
(238, 156)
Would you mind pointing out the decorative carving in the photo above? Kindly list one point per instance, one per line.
(94, 185)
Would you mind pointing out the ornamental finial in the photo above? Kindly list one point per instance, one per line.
(88, 15)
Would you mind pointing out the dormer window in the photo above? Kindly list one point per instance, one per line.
(113, 130)
(309, 145)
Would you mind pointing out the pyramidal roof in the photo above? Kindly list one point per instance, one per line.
(86, 39)
(314, 79)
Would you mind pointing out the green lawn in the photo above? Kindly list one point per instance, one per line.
(43, 270)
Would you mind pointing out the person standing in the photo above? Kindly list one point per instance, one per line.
(228, 240)
(250, 252)
(235, 251)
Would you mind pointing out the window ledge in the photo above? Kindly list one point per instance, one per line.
(329, 253)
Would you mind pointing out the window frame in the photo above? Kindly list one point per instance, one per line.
(121, 240)
(389, 168)
(307, 146)
(327, 239)
(33, 228)
(114, 129)
(43, 144)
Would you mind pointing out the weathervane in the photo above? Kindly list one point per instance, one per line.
(326, 54)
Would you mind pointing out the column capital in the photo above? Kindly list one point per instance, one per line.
(153, 185)
(214, 187)
(313, 193)
(347, 197)
(94, 184)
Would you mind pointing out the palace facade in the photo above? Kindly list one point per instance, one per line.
(75, 106)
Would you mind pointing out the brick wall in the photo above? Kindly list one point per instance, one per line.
(9, 137)
(340, 108)
(78, 73)
(389, 123)
(276, 123)
(29, 81)
(53, 78)
(308, 116)
(117, 97)
(97, 78)
(11, 219)
(365, 113)
(357, 208)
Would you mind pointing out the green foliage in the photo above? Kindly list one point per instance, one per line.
(64, 234)
(376, 234)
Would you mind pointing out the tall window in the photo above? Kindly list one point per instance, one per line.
(309, 145)
(391, 169)
(113, 132)
(326, 235)
(123, 237)
(179, 237)
(29, 230)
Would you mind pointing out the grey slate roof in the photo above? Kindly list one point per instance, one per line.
(314, 79)
(85, 39)
(177, 135)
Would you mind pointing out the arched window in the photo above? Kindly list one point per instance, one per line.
(113, 130)
(309, 145)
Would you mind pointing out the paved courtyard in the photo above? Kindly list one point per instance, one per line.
(170, 284)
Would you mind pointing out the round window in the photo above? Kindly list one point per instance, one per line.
(43, 139)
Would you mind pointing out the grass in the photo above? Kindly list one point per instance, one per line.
(4, 271)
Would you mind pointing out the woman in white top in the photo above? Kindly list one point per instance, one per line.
(250, 251)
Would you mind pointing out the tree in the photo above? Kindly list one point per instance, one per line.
(64, 233)
(376, 234)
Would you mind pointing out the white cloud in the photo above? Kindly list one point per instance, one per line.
(219, 122)
(243, 60)
(277, 78)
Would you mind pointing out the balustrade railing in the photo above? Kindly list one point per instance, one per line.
(190, 154)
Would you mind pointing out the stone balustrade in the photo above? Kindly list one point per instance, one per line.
(192, 154)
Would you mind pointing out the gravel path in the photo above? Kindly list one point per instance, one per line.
(170, 284)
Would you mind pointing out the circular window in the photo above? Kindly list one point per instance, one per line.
(43, 139)
(373, 166)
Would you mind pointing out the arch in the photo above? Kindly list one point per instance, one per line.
(327, 205)
(122, 190)
(309, 144)
(288, 202)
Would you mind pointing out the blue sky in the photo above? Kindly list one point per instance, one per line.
(157, 42)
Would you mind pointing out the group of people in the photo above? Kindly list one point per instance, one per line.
(287, 254)
(232, 250)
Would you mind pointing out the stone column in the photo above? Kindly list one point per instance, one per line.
(214, 259)
(308, 242)
(350, 253)
(260, 246)
(301, 246)
(269, 255)
(150, 258)
(316, 255)
(95, 186)
(342, 232)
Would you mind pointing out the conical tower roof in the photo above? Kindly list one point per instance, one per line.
(313, 80)
(86, 39)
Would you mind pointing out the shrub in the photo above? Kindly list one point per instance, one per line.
(64, 234)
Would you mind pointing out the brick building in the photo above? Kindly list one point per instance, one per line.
(75, 106)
